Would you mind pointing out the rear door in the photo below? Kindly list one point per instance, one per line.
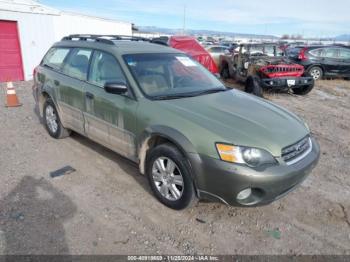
(331, 61)
(70, 97)
(109, 118)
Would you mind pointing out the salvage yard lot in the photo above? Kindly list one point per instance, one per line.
(106, 206)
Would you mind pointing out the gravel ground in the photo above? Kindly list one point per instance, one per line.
(106, 206)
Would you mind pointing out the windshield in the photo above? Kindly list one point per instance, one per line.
(171, 75)
(267, 50)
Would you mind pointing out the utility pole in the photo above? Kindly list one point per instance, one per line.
(184, 22)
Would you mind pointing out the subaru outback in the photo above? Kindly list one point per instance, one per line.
(191, 136)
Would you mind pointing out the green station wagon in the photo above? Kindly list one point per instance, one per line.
(193, 137)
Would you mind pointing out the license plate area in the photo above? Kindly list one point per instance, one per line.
(291, 82)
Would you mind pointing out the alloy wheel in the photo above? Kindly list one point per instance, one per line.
(51, 119)
(167, 178)
(315, 73)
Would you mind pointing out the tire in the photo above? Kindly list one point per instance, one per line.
(315, 72)
(176, 183)
(52, 121)
(225, 72)
(304, 90)
(252, 86)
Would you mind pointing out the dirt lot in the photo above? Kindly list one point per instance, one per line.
(106, 206)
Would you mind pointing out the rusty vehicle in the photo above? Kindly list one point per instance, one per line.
(264, 66)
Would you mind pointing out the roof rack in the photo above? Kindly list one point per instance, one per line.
(107, 39)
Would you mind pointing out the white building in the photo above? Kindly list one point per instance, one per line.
(28, 29)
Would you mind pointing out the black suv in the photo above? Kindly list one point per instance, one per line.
(320, 61)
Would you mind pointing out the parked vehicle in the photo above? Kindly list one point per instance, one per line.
(191, 136)
(263, 66)
(216, 51)
(191, 46)
(323, 61)
(230, 45)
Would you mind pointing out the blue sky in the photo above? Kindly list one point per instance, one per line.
(312, 18)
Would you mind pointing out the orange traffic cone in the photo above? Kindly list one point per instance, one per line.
(11, 97)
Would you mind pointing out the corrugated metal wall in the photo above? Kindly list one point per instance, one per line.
(38, 32)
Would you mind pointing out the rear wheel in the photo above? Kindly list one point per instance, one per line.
(170, 178)
(52, 121)
(252, 86)
(316, 72)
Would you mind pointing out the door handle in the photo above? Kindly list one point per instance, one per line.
(56, 82)
(89, 95)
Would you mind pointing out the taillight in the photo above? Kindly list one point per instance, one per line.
(302, 55)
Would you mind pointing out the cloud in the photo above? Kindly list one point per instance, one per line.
(300, 15)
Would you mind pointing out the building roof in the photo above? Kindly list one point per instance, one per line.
(35, 7)
(27, 6)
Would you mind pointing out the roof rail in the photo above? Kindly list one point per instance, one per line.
(107, 39)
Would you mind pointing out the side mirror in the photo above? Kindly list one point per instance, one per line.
(118, 88)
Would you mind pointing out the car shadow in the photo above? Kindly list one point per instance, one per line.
(32, 217)
(125, 164)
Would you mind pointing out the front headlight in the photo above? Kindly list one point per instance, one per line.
(244, 155)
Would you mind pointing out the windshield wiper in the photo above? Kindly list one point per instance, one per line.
(211, 91)
(191, 94)
(168, 97)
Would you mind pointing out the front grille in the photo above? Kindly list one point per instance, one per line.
(273, 71)
(278, 69)
(293, 153)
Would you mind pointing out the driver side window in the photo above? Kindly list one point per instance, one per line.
(105, 68)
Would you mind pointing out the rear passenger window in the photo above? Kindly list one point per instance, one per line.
(330, 53)
(55, 57)
(105, 68)
(344, 53)
(77, 64)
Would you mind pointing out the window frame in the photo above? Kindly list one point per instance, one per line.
(63, 62)
(69, 56)
(91, 63)
(130, 94)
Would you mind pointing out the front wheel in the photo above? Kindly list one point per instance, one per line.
(252, 86)
(304, 90)
(170, 178)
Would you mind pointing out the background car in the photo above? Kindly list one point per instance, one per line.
(215, 52)
(323, 61)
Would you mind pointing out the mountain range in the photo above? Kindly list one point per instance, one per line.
(154, 29)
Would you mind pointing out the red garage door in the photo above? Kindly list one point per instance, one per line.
(11, 68)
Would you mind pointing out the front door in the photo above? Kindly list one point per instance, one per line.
(109, 118)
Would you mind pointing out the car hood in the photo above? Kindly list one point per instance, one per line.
(241, 119)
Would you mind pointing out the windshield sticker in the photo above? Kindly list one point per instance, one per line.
(186, 61)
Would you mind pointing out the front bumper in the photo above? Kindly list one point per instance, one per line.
(219, 180)
(286, 82)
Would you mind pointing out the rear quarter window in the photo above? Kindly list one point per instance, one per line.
(317, 52)
(55, 57)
